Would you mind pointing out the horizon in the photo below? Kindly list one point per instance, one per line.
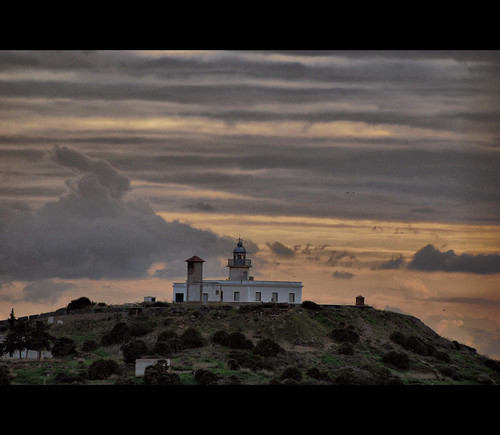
(355, 172)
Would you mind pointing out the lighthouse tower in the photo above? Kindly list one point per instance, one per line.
(239, 265)
(194, 282)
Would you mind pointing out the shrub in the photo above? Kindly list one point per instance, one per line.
(119, 334)
(79, 304)
(236, 340)
(398, 338)
(102, 369)
(162, 348)
(413, 344)
(317, 374)
(346, 348)
(267, 347)
(191, 338)
(167, 335)
(158, 375)
(291, 373)
(205, 377)
(346, 334)
(220, 337)
(442, 356)
(63, 346)
(232, 364)
(140, 328)
(309, 305)
(133, 350)
(89, 345)
(5, 377)
(70, 378)
(397, 359)
(248, 360)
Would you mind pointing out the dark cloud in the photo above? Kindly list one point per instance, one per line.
(281, 250)
(45, 290)
(342, 275)
(393, 263)
(337, 256)
(95, 230)
(431, 259)
(106, 175)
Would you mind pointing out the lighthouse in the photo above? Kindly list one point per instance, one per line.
(238, 288)
(239, 265)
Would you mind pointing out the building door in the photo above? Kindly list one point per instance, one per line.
(291, 298)
(274, 297)
(179, 297)
(205, 298)
(236, 296)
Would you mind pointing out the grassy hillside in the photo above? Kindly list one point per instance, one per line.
(258, 345)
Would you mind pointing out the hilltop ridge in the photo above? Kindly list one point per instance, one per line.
(260, 345)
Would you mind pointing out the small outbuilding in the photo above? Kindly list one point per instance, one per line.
(360, 301)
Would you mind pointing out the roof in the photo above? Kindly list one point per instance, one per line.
(196, 259)
(239, 248)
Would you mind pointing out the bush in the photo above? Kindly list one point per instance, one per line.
(89, 345)
(167, 335)
(398, 338)
(399, 360)
(236, 340)
(343, 335)
(442, 356)
(309, 305)
(220, 337)
(119, 334)
(63, 346)
(413, 344)
(71, 378)
(205, 377)
(291, 373)
(102, 369)
(158, 375)
(267, 348)
(248, 360)
(133, 350)
(140, 328)
(191, 338)
(5, 377)
(346, 348)
(79, 304)
(317, 374)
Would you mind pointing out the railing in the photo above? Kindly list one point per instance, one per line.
(239, 262)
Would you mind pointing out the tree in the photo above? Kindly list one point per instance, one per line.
(63, 346)
(79, 304)
(17, 337)
(12, 318)
(38, 338)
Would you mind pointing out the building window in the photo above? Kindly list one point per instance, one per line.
(258, 296)
(236, 296)
(291, 297)
(274, 297)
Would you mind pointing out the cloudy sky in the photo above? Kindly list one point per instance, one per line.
(373, 173)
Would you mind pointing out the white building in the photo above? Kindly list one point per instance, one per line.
(238, 288)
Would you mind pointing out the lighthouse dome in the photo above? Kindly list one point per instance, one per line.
(239, 248)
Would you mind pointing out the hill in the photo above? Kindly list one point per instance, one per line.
(254, 344)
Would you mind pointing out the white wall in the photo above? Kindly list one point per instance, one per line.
(247, 290)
